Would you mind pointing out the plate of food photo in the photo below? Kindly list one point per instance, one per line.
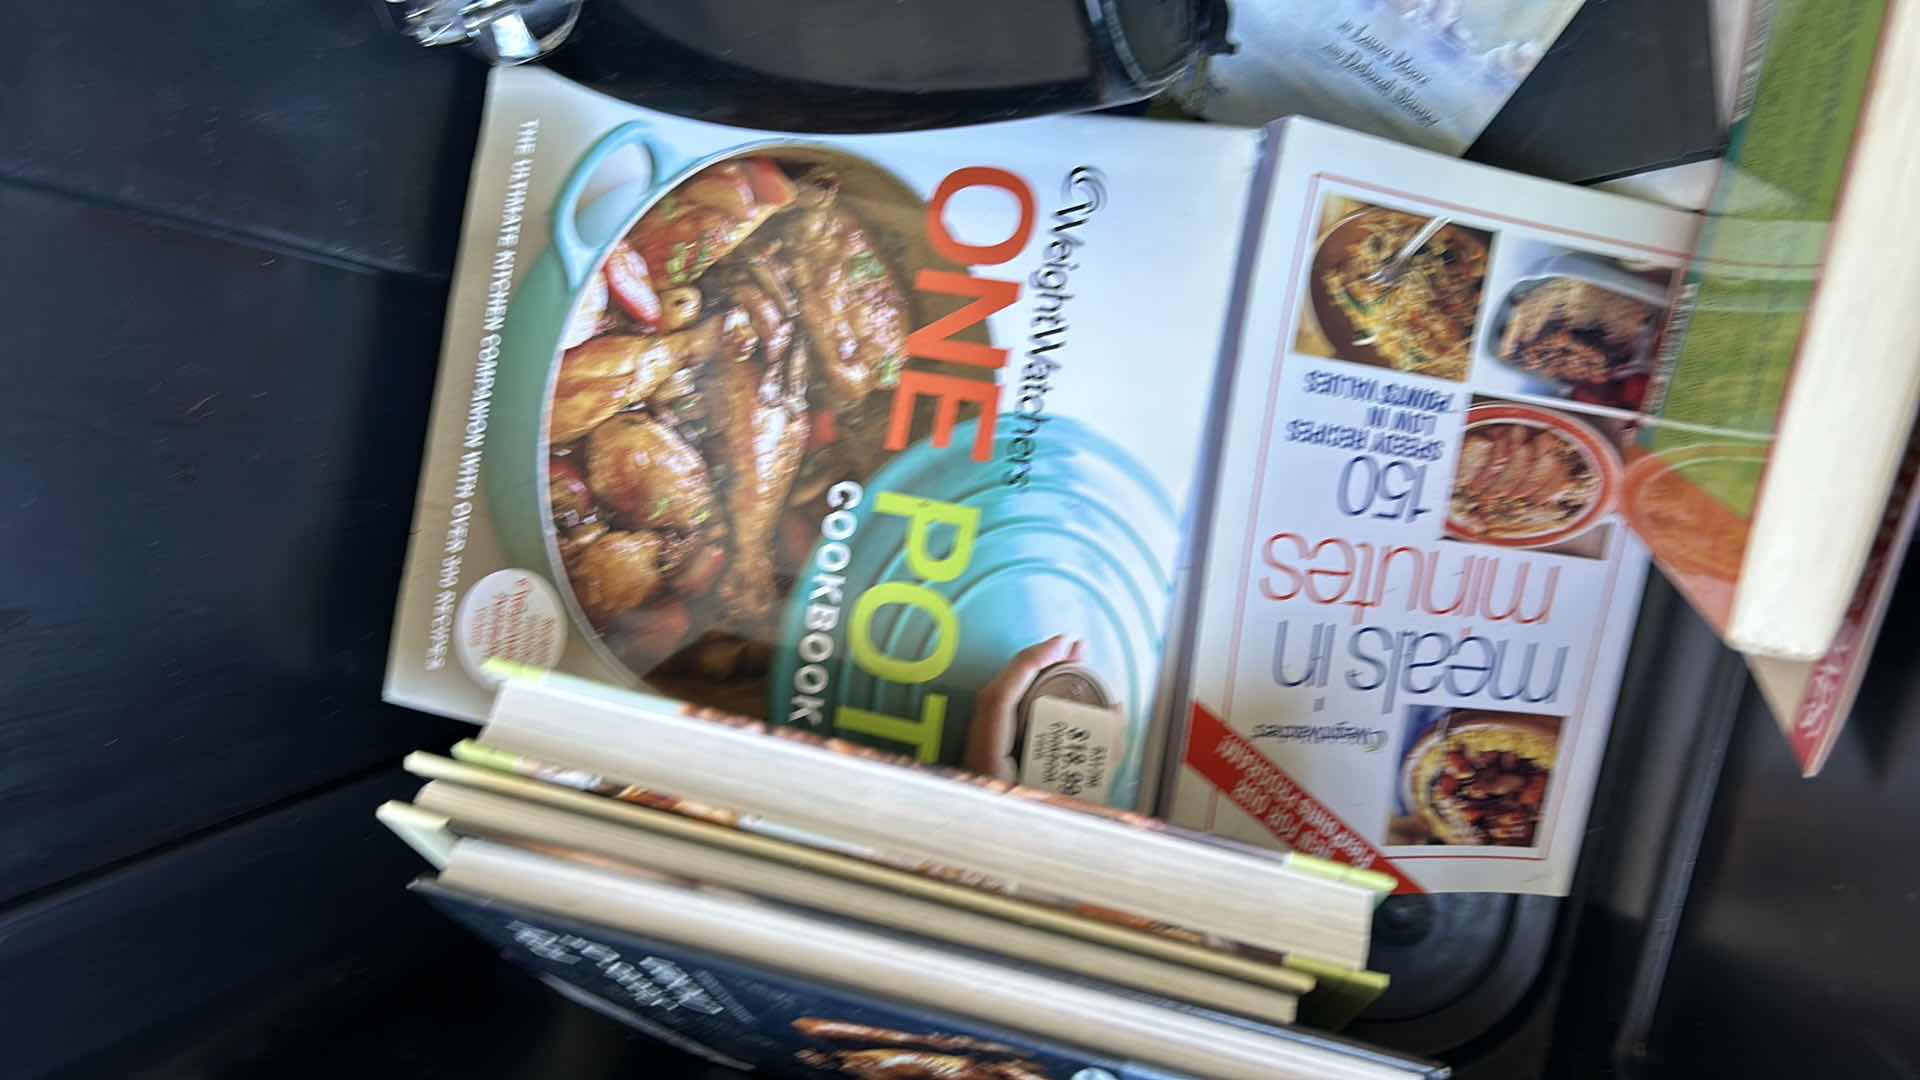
(1416, 317)
(1479, 779)
(1580, 327)
(1529, 478)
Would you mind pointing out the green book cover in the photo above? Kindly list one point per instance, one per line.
(1736, 331)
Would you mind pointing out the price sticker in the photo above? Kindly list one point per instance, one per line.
(1072, 747)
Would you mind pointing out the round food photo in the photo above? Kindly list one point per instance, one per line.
(1692, 502)
(1574, 325)
(1395, 289)
(1530, 477)
(1474, 778)
(718, 347)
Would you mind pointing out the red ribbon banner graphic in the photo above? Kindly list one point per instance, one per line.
(1256, 785)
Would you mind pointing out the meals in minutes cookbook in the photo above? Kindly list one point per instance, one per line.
(1418, 587)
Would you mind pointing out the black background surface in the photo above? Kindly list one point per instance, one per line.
(227, 228)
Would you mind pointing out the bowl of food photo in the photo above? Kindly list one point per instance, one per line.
(681, 375)
(1529, 477)
(1579, 326)
(1422, 321)
(1480, 779)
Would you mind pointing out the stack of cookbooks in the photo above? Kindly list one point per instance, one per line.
(774, 900)
(1109, 472)
(1778, 485)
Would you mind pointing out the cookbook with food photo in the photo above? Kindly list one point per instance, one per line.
(1270, 481)
(891, 438)
(1418, 587)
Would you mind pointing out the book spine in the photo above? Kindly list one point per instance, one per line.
(745, 1017)
(573, 722)
(480, 754)
(1836, 677)
(1732, 343)
(665, 706)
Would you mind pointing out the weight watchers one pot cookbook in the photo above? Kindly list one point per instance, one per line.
(883, 436)
(848, 433)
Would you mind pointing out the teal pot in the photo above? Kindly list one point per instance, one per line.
(516, 452)
(1086, 549)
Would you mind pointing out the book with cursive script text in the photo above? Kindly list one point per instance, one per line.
(854, 434)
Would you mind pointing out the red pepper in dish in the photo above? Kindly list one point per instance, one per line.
(627, 280)
(770, 186)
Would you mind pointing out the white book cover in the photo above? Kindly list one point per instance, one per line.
(1419, 591)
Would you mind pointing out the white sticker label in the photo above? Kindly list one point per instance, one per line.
(510, 615)
(1072, 748)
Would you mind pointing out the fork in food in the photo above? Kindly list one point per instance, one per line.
(1388, 275)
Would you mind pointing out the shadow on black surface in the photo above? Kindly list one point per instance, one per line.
(307, 125)
(1796, 955)
(206, 542)
(1629, 85)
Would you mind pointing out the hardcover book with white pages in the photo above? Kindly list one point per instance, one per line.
(1779, 491)
(1127, 863)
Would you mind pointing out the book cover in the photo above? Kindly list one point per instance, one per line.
(1423, 73)
(757, 1019)
(1419, 590)
(1811, 700)
(1743, 326)
(854, 434)
(1071, 849)
(1070, 1009)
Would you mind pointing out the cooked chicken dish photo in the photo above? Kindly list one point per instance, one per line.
(728, 361)
(1577, 332)
(1489, 787)
(1519, 480)
(1421, 321)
